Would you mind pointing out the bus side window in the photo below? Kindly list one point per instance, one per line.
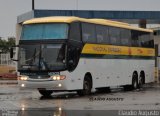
(125, 37)
(114, 35)
(134, 38)
(146, 40)
(75, 31)
(88, 33)
(102, 34)
(73, 57)
(151, 42)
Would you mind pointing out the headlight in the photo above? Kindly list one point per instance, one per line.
(23, 78)
(58, 77)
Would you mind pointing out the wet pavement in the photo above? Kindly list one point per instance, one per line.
(16, 102)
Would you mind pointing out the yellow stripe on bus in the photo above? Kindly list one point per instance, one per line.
(117, 50)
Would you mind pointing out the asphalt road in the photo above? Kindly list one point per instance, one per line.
(16, 102)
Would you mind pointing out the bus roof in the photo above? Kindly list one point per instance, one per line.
(64, 19)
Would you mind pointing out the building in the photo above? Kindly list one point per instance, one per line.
(133, 17)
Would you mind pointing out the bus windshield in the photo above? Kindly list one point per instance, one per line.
(44, 31)
(42, 57)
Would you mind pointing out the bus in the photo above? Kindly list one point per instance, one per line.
(77, 54)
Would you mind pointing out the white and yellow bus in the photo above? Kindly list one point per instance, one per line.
(77, 54)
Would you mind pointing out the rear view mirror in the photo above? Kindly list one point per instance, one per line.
(12, 52)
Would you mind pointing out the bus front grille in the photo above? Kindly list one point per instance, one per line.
(40, 77)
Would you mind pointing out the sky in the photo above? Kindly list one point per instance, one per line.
(10, 9)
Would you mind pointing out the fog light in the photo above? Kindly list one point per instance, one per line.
(22, 109)
(22, 85)
(59, 85)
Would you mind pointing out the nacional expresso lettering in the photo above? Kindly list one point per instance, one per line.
(107, 49)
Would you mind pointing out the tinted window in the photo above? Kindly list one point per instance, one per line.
(125, 37)
(44, 31)
(134, 35)
(75, 33)
(145, 40)
(88, 32)
(156, 32)
(114, 34)
(151, 40)
(73, 56)
(102, 34)
(142, 39)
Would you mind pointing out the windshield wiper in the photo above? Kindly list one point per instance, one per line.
(34, 56)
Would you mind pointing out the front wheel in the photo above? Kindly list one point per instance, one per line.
(45, 93)
(87, 86)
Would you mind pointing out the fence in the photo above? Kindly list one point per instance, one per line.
(5, 60)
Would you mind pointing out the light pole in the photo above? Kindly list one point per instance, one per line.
(32, 4)
(77, 4)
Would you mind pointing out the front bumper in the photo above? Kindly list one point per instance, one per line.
(42, 84)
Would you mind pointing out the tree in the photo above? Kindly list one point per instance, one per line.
(5, 45)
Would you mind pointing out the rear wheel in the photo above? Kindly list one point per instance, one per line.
(87, 86)
(141, 80)
(45, 93)
(135, 81)
(134, 84)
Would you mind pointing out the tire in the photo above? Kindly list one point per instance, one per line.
(45, 93)
(141, 81)
(87, 86)
(134, 84)
(135, 81)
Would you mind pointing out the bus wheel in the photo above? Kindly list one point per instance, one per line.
(87, 86)
(45, 93)
(135, 81)
(141, 80)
